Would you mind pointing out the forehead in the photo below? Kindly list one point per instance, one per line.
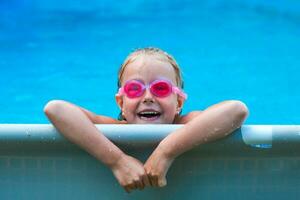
(148, 68)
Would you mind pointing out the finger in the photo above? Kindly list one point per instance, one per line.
(127, 189)
(150, 180)
(155, 180)
(130, 187)
(162, 182)
(134, 186)
(140, 185)
(145, 180)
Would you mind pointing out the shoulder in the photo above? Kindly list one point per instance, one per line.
(100, 119)
(188, 117)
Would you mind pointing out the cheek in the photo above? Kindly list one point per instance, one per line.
(129, 105)
(170, 107)
(169, 114)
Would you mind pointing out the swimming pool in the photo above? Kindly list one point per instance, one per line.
(246, 50)
(37, 163)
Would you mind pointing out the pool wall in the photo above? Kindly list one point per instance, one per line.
(255, 162)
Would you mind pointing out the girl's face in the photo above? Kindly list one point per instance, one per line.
(147, 69)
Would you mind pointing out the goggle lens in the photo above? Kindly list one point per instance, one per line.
(161, 89)
(133, 89)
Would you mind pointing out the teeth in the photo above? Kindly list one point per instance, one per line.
(149, 113)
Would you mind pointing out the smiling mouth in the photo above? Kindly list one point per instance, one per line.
(149, 115)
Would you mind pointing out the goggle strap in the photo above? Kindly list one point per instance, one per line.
(179, 92)
(121, 91)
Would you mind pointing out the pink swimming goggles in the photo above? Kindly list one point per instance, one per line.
(159, 88)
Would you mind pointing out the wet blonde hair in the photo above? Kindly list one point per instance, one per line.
(160, 54)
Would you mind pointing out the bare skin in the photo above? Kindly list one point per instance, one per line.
(76, 124)
(201, 127)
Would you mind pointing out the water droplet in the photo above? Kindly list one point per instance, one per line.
(28, 134)
(263, 146)
(227, 133)
(54, 138)
(205, 139)
(216, 129)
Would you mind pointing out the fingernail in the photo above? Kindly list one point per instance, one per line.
(162, 183)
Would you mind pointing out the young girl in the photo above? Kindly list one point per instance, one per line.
(150, 92)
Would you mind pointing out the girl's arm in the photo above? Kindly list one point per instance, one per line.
(186, 118)
(100, 119)
(76, 124)
(215, 122)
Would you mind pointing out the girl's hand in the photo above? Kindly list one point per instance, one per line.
(157, 167)
(130, 173)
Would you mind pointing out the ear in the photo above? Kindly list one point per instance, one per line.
(180, 102)
(119, 100)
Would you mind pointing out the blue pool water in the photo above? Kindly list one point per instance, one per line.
(246, 50)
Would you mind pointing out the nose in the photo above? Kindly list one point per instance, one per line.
(148, 96)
